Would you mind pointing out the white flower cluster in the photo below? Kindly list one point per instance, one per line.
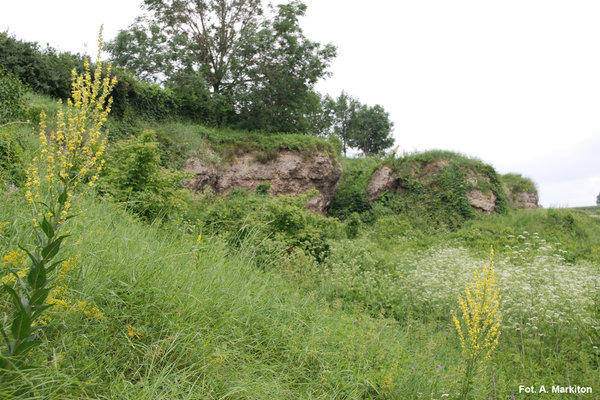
(537, 285)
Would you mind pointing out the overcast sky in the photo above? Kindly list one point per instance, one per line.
(514, 83)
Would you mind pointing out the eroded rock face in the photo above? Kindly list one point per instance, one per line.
(485, 202)
(527, 200)
(385, 180)
(290, 173)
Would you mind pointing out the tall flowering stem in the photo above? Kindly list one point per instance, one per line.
(479, 330)
(70, 156)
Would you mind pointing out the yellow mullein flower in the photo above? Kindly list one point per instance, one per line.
(480, 309)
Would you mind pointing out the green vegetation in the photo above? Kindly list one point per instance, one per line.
(434, 187)
(44, 71)
(351, 195)
(515, 184)
(161, 294)
(250, 296)
(134, 177)
(438, 183)
(357, 125)
(12, 91)
(180, 141)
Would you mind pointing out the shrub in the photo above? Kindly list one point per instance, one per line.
(351, 195)
(11, 158)
(353, 225)
(45, 71)
(274, 227)
(139, 100)
(12, 92)
(135, 177)
(263, 188)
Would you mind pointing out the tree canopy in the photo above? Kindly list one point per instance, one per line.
(359, 126)
(371, 130)
(258, 60)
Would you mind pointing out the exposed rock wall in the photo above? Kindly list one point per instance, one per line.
(484, 202)
(290, 173)
(526, 200)
(385, 180)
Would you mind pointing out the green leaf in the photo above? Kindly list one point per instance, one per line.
(62, 198)
(21, 325)
(34, 258)
(16, 298)
(39, 297)
(36, 277)
(24, 347)
(52, 249)
(38, 310)
(47, 228)
(52, 266)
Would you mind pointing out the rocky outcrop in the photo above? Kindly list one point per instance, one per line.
(526, 200)
(290, 173)
(484, 202)
(383, 180)
(520, 191)
(386, 180)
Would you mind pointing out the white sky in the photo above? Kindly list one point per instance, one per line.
(515, 83)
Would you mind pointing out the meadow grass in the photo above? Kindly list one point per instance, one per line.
(185, 318)
(180, 326)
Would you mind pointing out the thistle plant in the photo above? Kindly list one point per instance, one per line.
(70, 156)
(479, 330)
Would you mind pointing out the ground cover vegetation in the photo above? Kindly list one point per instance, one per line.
(160, 293)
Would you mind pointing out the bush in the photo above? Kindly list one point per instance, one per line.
(139, 100)
(273, 227)
(134, 176)
(351, 195)
(12, 92)
(11, 159)
(353, 225)
(45, 71)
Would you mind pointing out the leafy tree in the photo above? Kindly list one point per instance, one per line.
(143, 49)
(261, 64)
(342, 111)
(371, 130)
(598, 200)
(278, 88)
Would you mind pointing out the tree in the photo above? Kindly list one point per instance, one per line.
(262, 63)
(342, 111)
(598, 200)
(143, 49)
(371, 130)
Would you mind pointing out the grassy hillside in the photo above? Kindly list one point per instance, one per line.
(274, 302)
(179, 141)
